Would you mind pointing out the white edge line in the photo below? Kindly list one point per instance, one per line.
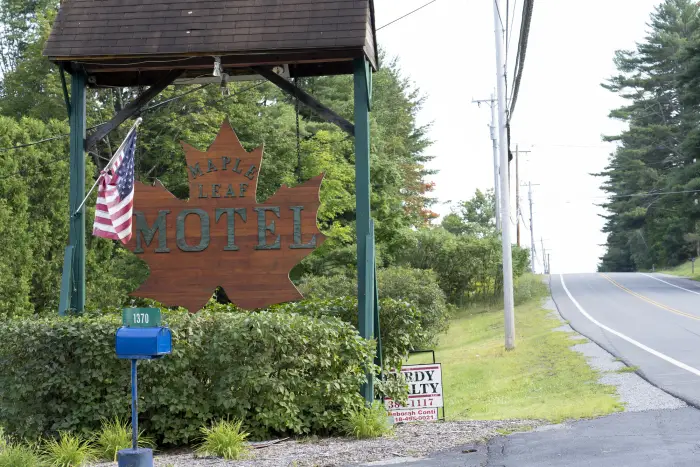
(670, 360)
(672, 285)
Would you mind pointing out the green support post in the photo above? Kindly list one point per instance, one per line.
(76, 233)
(379, 358)
(365, 239)
(64, 299)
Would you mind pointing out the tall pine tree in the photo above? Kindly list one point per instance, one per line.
(646, 226)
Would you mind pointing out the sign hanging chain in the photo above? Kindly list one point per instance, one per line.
(296, 108)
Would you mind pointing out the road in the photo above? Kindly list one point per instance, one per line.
(651, 321)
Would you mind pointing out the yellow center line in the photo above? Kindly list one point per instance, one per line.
(649, 300)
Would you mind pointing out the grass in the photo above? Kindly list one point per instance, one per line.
(225, 439)
(510, 431)
(18, 455)
(627, 369)
(68, 451)
(369, 422)
(685, 270)
(542, 378)
(114, 436)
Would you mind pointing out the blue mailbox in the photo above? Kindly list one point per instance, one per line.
(140, 338)
(143, 343)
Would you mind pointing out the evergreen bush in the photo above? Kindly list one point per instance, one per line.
(282, 373)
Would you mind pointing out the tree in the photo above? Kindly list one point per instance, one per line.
(647, 222)
(30, 88)
(475, 217)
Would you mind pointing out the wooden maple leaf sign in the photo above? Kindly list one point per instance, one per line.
(222, 236)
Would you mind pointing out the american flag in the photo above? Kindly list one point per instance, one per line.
(115, 195)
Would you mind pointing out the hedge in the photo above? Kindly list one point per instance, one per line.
(399, 322)
(282, 373)
(416, 286)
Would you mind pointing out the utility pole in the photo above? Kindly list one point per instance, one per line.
(508, 308)
(544, 256)
(518, 214)
(494, 140)
(517, 195)
(549, 265)
(532, 228)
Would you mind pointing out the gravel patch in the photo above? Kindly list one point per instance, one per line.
(409, 442)
(635, 392)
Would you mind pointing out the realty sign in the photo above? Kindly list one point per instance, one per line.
(425, 394)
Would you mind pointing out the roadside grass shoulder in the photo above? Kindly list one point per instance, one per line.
(542, 378)
(684, 270)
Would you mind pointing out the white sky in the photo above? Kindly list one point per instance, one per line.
(448, 50)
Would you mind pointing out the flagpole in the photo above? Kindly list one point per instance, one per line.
(109, 164)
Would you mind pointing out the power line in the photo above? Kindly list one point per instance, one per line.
(404, 16)
(510, 34)
(506, 32)
(160, 104)
(612, 197)
(34, 143)
(167, 101)
(522, 49)
(498, 9)
(651, 193)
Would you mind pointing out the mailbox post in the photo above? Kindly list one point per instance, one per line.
(141, 337)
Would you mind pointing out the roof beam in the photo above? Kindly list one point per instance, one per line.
(132, 108)
(321, 110)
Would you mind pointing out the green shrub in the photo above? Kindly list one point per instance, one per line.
(224, 439)
(115, 435)
(417, 286)
(281, 373)
(467, 268)
(399, 322)
(421, 289)
(68, 451)
(325, 287)
(19, 455)
(528, 287)
(368, 422)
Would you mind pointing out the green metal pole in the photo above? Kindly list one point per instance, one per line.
(365, 280)
(76, 234)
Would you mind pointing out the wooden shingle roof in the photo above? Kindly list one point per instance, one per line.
(314, 37)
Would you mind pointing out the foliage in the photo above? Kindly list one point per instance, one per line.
(421, 289)
(415, 286)
(225, 439)
(368, 422)
(32, 100)
(652, 177)
(475, 217)
(68, 451)
(281, 373)
(34, 226)
(326, 287)
(115, 435)
(529, 287)
(468, 268)
(19, 455)
(399, 322)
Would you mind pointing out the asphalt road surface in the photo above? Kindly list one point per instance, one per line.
(650, 321)
(658, 438)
